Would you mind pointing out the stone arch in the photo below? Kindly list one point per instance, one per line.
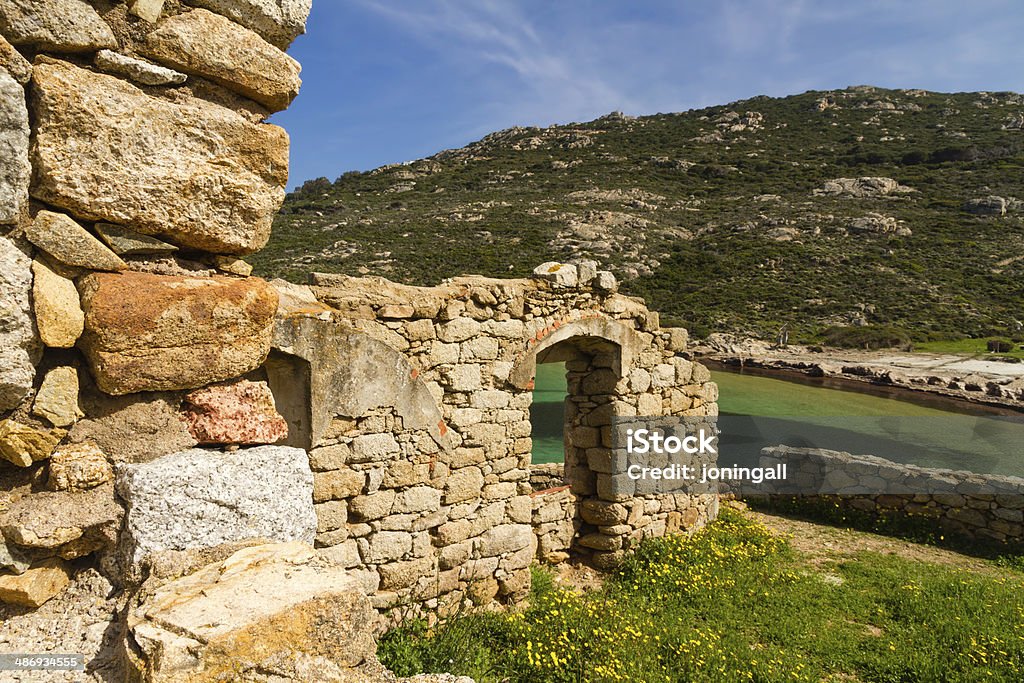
(598, 354)
(585, 332)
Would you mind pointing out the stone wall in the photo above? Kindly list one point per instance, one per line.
(430, 501)
(979, 507)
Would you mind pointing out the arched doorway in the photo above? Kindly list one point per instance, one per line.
(578, 515)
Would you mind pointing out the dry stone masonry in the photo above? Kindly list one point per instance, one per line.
(978, 507)
(179, 438)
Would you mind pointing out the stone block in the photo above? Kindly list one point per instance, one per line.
(70, 243)
(147, 10)
(14, 143)
(559, 274)
(57, 398)
(148, 332)
(463, 484)
(134, 428)
(23, 445)
(385, 546)
(19, 345)
(374, 447)
(239, 412)
(337, 484)
(214, 47)
(276, 608)
(398, 575)
(78, 467)
(490, 399)
(59, 316)
(331, 515)
(137, 70)
(603, 513)
(677, 339)
(54, 25)
(202, 498)
(420, 330)
(148, 164)
(373, 506)
(36, 585)
(278, 21)
(458, 330)
(504, 538)
(51, 520)
(417, 499)
(11, 61)
(601, 542)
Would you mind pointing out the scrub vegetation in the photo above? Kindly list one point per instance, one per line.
(723, 218)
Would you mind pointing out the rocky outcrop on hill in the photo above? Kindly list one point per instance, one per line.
(862, 187)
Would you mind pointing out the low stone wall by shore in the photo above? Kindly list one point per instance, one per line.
(979, 507)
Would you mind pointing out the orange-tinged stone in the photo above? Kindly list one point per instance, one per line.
(146, 332)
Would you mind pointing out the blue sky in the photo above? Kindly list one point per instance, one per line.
(394, 80)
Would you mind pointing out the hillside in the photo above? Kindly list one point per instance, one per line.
(725, 219)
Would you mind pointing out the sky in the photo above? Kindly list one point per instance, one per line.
(386, 81)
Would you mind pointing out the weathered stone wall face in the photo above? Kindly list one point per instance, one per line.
(136, 166)
(978, 507)
(453, 514)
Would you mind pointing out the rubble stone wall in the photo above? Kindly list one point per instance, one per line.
(435, 499)
(981, 507)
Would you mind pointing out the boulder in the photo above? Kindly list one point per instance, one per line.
(271, 612)
(198, 174)
(68, 523)
(137, 70)
(19, 345)
(54, 25)
(36, 585)
(278, 21)
(23, 445)
(13, 63)
(57, 398)
(202, 498)
(240, 412)
(561, 274)
(78, 467)
(208, 45)
(148, 332)
(14, 142)
(59, 316)
(135, 428)
(867, 186)
(986, 206)
(70, 243)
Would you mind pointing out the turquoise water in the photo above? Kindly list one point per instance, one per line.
(759, 411)
(548, 413)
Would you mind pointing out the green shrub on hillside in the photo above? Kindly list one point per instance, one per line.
(868, 337)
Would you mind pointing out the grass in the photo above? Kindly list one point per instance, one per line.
(737, 603)
(968, 347)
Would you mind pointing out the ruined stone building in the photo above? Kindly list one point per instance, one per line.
(282, 455)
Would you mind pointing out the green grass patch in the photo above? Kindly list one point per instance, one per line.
(736, 603)
(968, 347)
